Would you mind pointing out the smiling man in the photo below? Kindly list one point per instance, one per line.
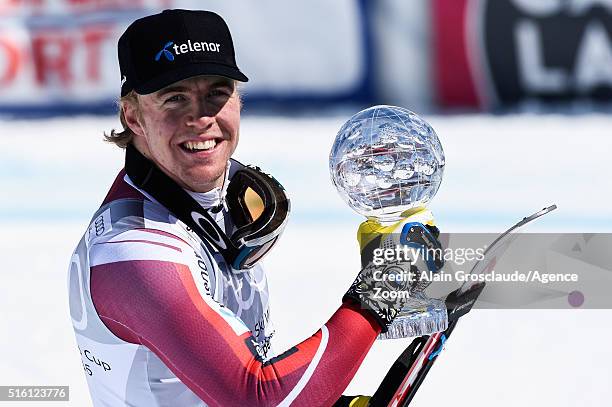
(168, 300)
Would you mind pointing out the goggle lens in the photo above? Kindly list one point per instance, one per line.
(254, 203)
(258, 253)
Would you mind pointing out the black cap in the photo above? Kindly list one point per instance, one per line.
(158, 50)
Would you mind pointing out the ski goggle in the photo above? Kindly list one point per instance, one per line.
(256, 202)
(259, 209)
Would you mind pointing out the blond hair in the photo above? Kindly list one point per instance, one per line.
(124, 137)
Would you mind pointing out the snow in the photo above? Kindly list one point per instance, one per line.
(55, 172)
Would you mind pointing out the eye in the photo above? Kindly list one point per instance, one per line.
(220, 92)
(175, 98)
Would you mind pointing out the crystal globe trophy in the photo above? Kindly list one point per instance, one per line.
(387, 164)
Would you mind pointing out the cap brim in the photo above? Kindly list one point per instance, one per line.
(189, 71)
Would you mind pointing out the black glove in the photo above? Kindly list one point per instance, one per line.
(383, 286)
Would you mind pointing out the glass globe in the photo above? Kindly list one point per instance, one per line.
(386, 160)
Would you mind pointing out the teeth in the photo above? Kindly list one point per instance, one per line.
(200, 145)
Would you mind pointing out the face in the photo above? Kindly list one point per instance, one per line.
(189, 129)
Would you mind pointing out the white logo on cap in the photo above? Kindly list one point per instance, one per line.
(196, 46)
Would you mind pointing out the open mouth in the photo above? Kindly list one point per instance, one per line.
(198, 146)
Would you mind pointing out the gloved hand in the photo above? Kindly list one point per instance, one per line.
(385, 281)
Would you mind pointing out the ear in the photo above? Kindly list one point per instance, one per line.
(132, 118)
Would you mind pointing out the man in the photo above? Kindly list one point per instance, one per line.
(169, 304)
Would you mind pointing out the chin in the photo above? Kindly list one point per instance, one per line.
(204, 178)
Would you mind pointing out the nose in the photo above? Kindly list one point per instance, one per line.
(202, 117)
(200, 122)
